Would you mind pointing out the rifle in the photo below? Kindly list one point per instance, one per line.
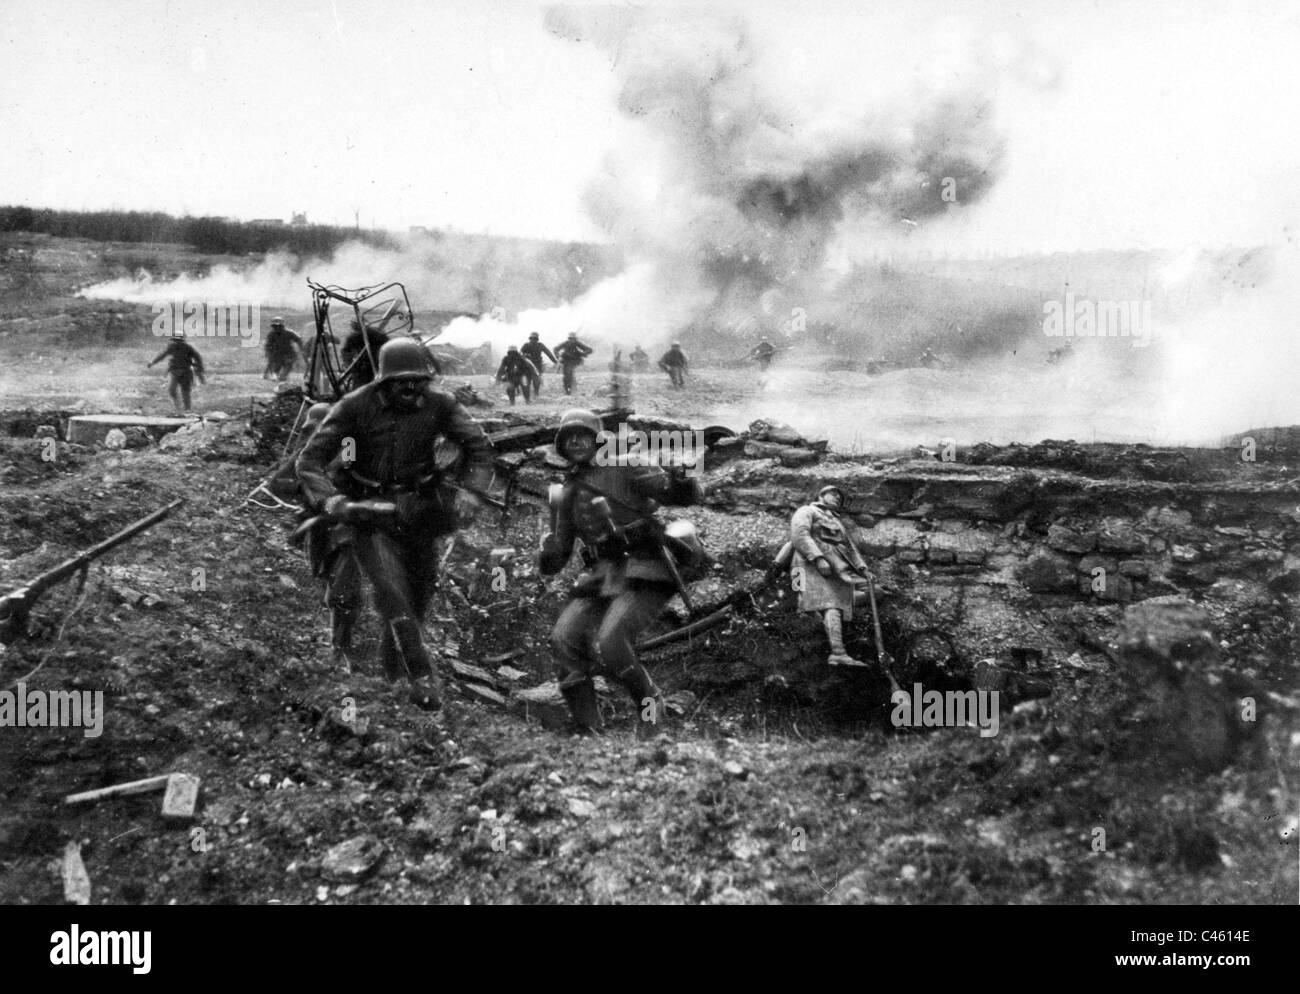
(16, 605)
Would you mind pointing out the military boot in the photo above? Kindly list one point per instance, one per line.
(835, 635)
(580, 695)
(425, 692)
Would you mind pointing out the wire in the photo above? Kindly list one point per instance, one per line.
(62, 625)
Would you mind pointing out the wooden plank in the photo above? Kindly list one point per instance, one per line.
(119, 790)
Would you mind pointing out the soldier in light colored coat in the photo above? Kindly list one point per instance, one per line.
(826, 567)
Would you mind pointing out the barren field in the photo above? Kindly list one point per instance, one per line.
(1122, 770)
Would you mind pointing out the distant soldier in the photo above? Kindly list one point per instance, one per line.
(632, 568)
(183, 364)
(673, 362)
(354, 348)
(826, 567)
(762, 353)
(570, 354)
(640, 360)
(282, 348)
(517, 373)
(534, 350)
(393, 496)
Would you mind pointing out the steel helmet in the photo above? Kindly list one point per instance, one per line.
(405, 359)
(677, 345)
(828, 488)
(573, 334)
(534, 337)
(574, 420)
(513, 348)
(277, 322)
(317, 413)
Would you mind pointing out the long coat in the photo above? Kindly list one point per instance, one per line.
(816, 531)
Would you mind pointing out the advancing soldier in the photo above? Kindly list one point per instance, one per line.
(826, 566)
(183, 364)
(282, 347)
(517, 373)
(533, 350)
(762, 353)
(632, 572)
(640, 360)
(328, 546)
(673, 362)
(393, 496)
(354, 347)
(570, 354)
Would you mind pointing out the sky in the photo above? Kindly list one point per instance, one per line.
(1127, 125)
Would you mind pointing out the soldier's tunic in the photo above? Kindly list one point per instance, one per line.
(627, 583)
(395, 453)
(817, 531)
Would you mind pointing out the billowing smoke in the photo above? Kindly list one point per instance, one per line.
(740, 172)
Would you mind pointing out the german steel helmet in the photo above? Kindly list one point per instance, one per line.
(404, 359)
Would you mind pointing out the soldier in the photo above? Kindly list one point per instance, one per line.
(673, 362)
(183, 364)
(393, 496)
(533, 350)
(282, 347)
(632, 572)
(571, 352)
(640, 360)
(763, 353)
(328, 547)
(517, 373)
(827, 566)
(354, 348)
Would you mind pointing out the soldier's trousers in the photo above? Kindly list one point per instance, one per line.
(570, 378)
(599, 633)
(514, 386)
(402, 571)
(180, 382)
(343, 595)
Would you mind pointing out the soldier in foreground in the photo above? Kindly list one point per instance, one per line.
(517, 373)
(534, 350)
(826, 567)
(393, 496)
(632, 569)
(183, 364)
(674, 363)
(571, 352)
(330, 557)
(282, 348)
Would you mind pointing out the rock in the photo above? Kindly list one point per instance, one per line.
(544, 704)
(46, 431)
(735, 770)
(511, 674)
(1168, 647)
(354, 859)
(1117, 535)
(1135, 568)
(76, 881)
(115, 439)
(771, 430)
(580, 808)
(1045, 573)
(1067, 540)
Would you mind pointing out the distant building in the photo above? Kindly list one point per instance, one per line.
(299, 220)
(270, 222)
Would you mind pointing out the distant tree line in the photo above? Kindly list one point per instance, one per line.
(215, 235)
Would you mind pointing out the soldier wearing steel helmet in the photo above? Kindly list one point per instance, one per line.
(517, 373)
(609, 504)
(282, 348)
(183, 364)
(393, 497)
(571, 353)
(826, 567)
(534, 350)
(674, 363)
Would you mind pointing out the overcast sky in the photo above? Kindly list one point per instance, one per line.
(1127, 124)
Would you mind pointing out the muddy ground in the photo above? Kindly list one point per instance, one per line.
(779, 780)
